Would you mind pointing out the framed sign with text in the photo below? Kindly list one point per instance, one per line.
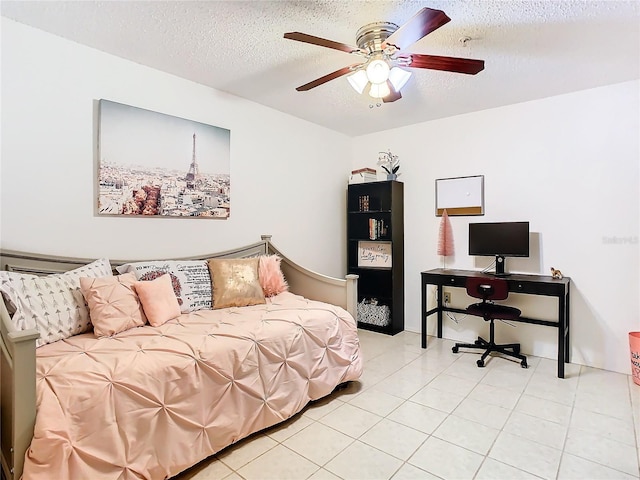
(374, 254)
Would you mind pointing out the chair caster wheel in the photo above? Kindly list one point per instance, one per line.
(480, 363)
(454, 349)
(523, 364)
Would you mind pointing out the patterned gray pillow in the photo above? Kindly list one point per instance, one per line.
(52, 304)
(190, 280)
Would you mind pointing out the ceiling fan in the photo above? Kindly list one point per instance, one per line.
(383, 44)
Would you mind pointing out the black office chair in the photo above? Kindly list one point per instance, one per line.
(489, 289)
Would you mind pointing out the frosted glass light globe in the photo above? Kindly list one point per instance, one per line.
(378, 71)
(379, 90)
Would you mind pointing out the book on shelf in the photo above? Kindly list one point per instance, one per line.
(363, 203)
(377, 229)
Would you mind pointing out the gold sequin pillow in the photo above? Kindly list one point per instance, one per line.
(235, 282)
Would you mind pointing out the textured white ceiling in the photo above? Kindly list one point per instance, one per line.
(532, 49)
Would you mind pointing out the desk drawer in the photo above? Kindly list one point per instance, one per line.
(453, 281)
(536, 288)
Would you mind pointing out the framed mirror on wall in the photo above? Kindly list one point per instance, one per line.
(460, 195)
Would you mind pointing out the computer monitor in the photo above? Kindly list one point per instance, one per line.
(499, 239)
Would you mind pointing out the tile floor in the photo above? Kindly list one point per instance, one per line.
(431, 414)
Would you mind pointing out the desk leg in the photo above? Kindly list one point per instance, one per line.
(439, 311)
(562, 335)
(423, 329)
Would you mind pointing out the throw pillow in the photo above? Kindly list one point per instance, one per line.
(113, 304)
(52, 304)
(190, 279)
(158, 300)
(235, 282)
(270, 275)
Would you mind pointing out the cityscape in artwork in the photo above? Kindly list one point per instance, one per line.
(137, 190)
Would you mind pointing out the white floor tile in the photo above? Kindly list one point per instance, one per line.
(465, 433)
(318, 443)
(605, 402)
(451, 384)
(493, 470)
(547, 410)
(323, 474)
(576, 468)
(418, 416)
(279, 463)
(360, 461)
(536, 429)
(409, 472)
(446, 460)
(601, 450)
(350, 420)
(500, 397)
(376, 401)
(399, 386)
(604, 426)
(526, 455)
(438, 399)
(510, 377)
(484, 413)
(394, 438)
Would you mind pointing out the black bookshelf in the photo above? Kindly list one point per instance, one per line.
(375, 252)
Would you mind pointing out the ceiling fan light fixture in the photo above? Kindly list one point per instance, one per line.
(358, 80)
(398, 78)
(379, 90)
(377, 71)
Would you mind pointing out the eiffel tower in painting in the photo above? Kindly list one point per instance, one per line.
(193, 175)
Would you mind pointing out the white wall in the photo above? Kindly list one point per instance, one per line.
(288, 176)
(569, 165)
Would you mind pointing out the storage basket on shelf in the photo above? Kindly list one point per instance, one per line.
(373, 314)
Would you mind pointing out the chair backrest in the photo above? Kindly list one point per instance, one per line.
(487, 288)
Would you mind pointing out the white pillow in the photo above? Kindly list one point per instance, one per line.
(52, 304)
(190, 280)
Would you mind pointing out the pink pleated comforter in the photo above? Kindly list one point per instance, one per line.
(151, 402)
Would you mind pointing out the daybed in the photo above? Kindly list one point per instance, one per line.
(149, 402)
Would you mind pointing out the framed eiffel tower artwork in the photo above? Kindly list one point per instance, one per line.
(155, 165)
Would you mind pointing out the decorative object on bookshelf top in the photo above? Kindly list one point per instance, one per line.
(390, 164)
(363, 175)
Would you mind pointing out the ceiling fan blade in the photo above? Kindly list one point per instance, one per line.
(420, 25)
(323, 42)
(393, 95)
(331, 76)
(448, 64)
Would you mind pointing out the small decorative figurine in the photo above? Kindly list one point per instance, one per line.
(556, 273)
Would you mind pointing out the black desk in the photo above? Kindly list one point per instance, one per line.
(528, 284)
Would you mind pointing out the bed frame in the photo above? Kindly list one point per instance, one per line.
(18, 357)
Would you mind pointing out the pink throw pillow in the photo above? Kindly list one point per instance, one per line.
(113, 304)
(270, 275)
(158, 300)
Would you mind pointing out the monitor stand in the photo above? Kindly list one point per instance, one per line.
(500, 263)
